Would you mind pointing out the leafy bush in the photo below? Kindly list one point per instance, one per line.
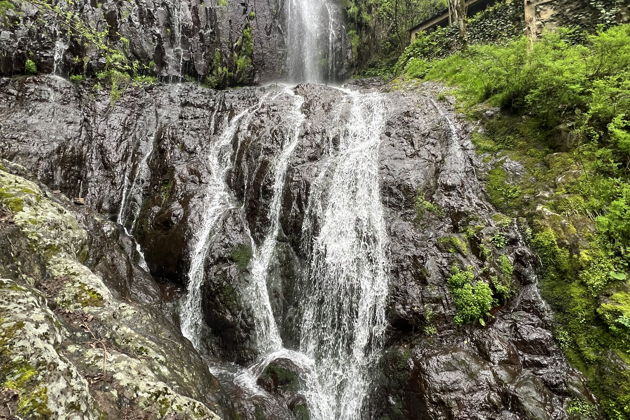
(473, 300)
(584, 86)
(5, 5)
(499, 22)
(379, 29)
(30, 67)
(77, 78)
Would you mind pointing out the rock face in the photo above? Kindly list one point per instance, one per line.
(74, 346)
(143, 161)
(540, 15)
(209, 41)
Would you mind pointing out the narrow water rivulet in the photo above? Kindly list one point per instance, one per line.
(217, 201)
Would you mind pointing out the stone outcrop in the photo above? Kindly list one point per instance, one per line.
(149, 150)
(72, 345)
(214, 42)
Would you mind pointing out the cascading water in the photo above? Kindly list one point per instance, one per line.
(312, 35)
(267, 335)
(61, 47)
(345, 289)
(219, 161)
(132, 190)
(177, 51)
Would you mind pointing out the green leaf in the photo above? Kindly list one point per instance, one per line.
(617, 275)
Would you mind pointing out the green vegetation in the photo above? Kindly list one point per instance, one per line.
(566, 120)
(119, 70)
(19, 376)
(502, 282)
(378, 30)
(110, 63)
(473, 299)
(30, 67)
(453, 244)
(582, 410)
(424, 206)
(223, 73)
(502, 21)
(77, 78)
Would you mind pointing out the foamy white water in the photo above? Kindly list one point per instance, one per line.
(219, 163)
(313, 31)
(256, 293)
(345, 290)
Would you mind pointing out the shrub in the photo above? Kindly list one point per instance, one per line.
(30, 67)
(584, 86)
(77, 78)
(473, 299)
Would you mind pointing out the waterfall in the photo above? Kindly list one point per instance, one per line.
(132, 189)
(311, 40)
(60, 49)
(177, 49)
(267, 335)
(61, 46)
(218, 201)
(345, 289)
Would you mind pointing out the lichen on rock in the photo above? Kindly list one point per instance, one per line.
(33, 364)
(73, 350)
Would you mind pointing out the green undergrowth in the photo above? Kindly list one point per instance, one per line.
(242, 255)
(558, 155)
(473, 298)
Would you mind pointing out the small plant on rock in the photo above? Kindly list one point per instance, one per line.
(473, 299)
(30, 67)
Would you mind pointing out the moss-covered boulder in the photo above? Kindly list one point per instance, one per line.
(69, 348)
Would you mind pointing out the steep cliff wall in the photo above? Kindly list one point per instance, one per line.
(216, 42)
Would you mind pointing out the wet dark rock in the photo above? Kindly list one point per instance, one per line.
(282, 377)
(435, 208)
(171, 39)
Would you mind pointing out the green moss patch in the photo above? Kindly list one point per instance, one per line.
(242, 255)
(565, 123)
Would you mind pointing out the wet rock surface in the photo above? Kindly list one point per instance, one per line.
(170, 39)
(148, 151)
(77, 340)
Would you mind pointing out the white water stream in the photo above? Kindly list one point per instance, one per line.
(256, 294)
(218, 201)
(312, 35)
(61, 47)
(132, 189)
(344, 288)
